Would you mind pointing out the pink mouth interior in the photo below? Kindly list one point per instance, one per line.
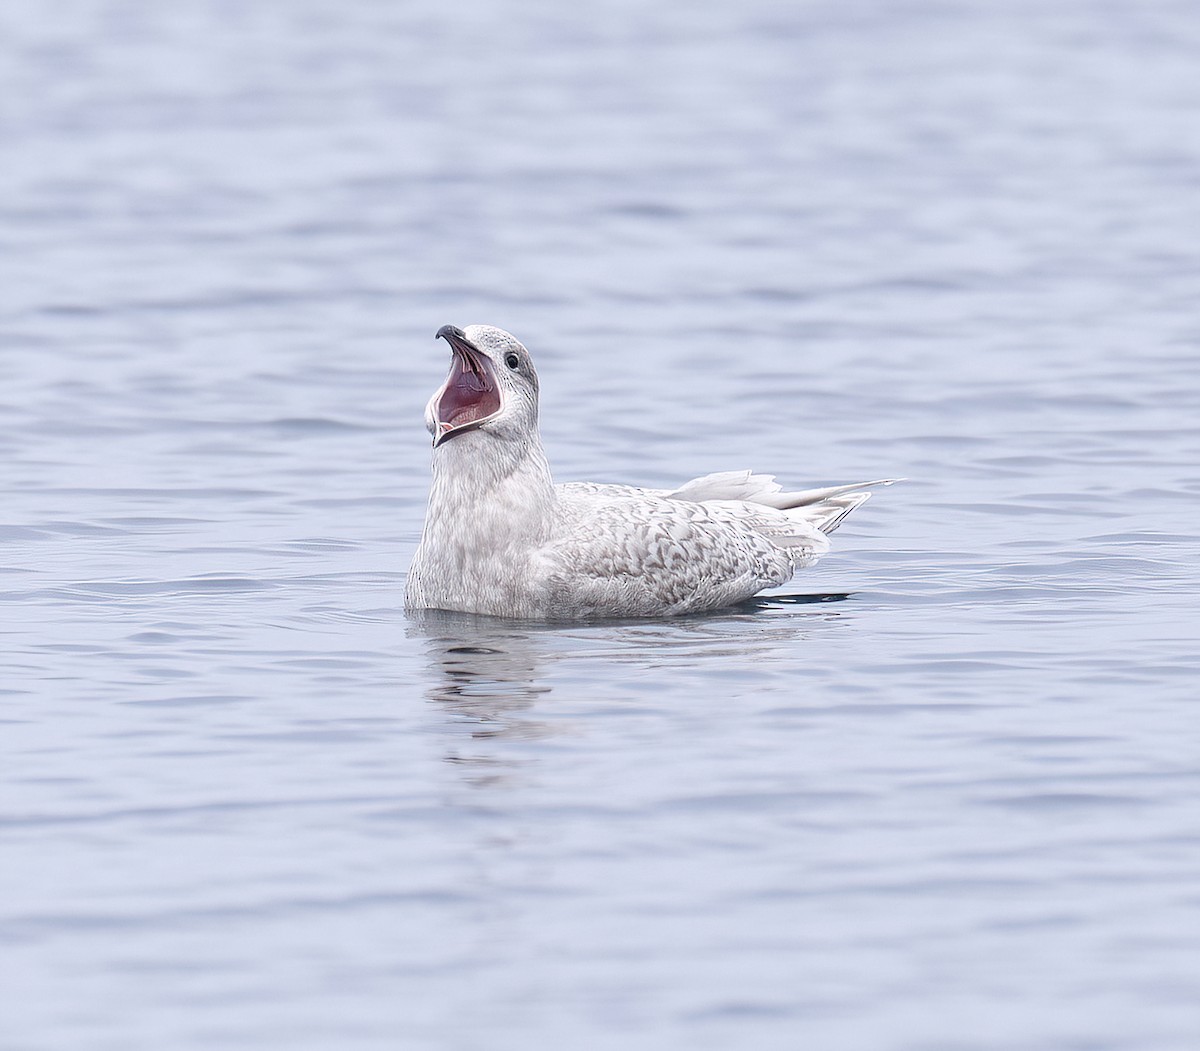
(470, 393)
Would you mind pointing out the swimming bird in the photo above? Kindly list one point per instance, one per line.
(501, 538)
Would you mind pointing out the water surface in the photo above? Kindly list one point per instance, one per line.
(247, 802)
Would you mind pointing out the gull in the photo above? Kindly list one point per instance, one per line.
(500, 538)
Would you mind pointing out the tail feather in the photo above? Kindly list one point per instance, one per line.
(808, 497)
(827, 515)
(824, 508)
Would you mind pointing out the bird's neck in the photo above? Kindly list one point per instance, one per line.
(498, 491)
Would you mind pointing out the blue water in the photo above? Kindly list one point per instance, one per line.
(246, 802)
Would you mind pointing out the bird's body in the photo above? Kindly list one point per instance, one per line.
(501, 538)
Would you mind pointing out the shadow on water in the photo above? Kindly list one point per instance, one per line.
(775, 601)
(489, 675)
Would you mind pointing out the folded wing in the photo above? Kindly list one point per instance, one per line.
(636, 552)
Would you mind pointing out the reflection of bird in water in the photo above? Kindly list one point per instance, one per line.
(501, 538)
(489, 675)
(485, 675)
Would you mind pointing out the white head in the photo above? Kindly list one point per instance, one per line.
(492, 387)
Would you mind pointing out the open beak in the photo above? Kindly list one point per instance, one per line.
(470, 396)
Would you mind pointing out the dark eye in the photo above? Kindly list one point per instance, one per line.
(512, 361)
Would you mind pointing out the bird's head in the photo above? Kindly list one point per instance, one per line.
(492, 386)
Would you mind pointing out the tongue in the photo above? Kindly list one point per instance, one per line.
(469, 395)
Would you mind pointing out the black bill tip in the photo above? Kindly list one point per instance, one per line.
(450, 333)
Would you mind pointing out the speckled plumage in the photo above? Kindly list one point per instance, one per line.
(500, 538)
